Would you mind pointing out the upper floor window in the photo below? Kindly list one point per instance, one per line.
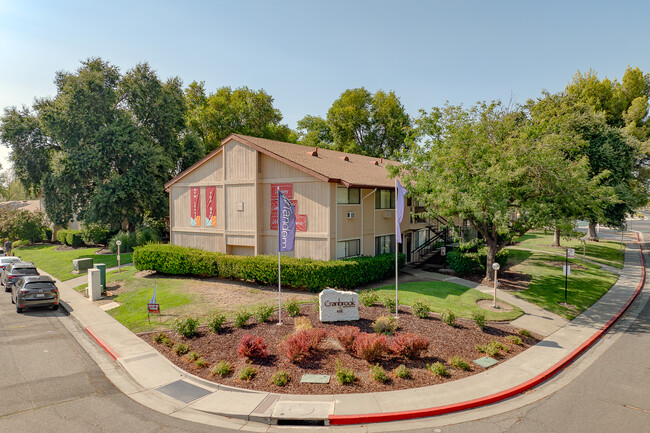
(385, 199)
(348, 195)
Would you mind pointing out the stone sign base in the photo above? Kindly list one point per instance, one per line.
(338, 306)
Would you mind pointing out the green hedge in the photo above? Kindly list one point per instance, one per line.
(473, 262)
(310, 274)
(70, 237)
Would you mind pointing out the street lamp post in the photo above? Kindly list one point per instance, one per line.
(496, 267)
(118, 243)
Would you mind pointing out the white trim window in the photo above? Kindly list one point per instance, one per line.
(384, 244)
(349, 248)
(348, 195)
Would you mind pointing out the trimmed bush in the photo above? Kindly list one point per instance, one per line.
(162, 338)
(302, 344)
(449, 317)
(458, 363)
(201, 362)
(409, 345)
(368, 298)
(247, 373)
(386, 325)
(377, 373)
(465, 263)
(223, 368)
(252, 347)
(181, 349)
(192, 356)
(479, 319)
(513, 339)
(344, 376)
(370, 347)
(241, 317)
(438, 369)
(421, 309)
(389, 303)
(313, 275)
(186, 327)
(281, 378)
(263, 313)
(346, 335)
(95, 234)
(525, 333)
(402, 372)
(292, 308)
(215, 322)
(69, 237)
(300, 323)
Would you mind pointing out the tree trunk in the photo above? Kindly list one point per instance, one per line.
(491, 258)
(591, 232)
(55, 230)
(556, 238)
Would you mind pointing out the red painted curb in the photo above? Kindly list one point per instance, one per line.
(113, 354)
(494, 398)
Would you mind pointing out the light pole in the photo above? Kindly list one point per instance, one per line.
(118, 243)
(496, 267)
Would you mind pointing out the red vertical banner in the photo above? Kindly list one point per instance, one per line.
(195, 206)
(210, 206)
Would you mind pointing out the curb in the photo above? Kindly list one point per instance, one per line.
(113, 354)
(494, 398)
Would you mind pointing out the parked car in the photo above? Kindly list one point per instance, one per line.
(13, 271)
(4, 261)
(34, 291)
(2, 253)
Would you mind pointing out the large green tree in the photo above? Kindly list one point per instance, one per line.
(618, 142)
(491, 166)
(244, 111)
(360, 122)
(102, 148)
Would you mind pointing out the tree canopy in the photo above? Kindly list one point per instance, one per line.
(360, 122)
(244, 111)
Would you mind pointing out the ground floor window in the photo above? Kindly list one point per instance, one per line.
(349, 248)
(384, 244)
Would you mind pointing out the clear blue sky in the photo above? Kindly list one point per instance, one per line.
(306, 53)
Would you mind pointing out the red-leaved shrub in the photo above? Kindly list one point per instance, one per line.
(252, 347)
(302, 343)
(409, 345)
(370, 347)
(346, 336)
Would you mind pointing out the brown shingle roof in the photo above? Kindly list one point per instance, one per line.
(328, 165)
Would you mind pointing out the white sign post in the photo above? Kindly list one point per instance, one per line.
(118, 243)
(496, 267)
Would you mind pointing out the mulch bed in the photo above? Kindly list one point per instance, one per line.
(446, 341)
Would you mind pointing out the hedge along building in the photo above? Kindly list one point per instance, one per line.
(345, 203)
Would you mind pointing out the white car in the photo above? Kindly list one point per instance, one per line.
(4, 261)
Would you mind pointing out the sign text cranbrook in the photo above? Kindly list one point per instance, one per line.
(336, 305)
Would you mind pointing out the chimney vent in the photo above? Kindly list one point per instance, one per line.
(344, 158)
(313, 152)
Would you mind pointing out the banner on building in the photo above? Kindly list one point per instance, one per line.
(210, 206)
(195, 206)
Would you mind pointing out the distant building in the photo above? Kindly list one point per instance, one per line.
(345, 203)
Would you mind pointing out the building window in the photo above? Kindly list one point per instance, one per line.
(385, 199)
(349, 248)
(384, 244)
(348, 195)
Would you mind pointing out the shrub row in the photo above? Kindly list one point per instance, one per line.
(464, 263)
(311, 274)
(70, 237)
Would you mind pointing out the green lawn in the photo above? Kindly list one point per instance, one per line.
(605, 252)
(133, 311)
(59, 263)
(546, 287)
(441, 295)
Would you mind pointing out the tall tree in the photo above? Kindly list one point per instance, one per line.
(487, 164)
(374, 125)
(244, 111)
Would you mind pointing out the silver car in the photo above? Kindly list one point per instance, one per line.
(34, 291)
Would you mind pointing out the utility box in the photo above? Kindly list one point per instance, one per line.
(80, 266)
(102, 275)
(94, 287)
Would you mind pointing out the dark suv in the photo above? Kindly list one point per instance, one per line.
(34, 291)
(16, 270)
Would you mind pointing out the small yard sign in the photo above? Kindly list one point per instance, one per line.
(570, 253)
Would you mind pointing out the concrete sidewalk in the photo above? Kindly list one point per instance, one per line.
(157, 383)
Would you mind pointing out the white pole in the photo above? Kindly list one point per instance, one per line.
(396, 269)
(279, 287)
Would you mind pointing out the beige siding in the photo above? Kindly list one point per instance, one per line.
(349, 227)
(240, 161)
(315, 248)
(208, 173)
(240, 240)
(274, 169)
(384, 225)
(240, 208)
(198, 239)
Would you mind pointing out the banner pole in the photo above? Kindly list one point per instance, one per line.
(279, 292)
(396, 268)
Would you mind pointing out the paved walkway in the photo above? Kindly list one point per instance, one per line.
(157, 383)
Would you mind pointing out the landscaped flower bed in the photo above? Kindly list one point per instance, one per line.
(263, 355)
